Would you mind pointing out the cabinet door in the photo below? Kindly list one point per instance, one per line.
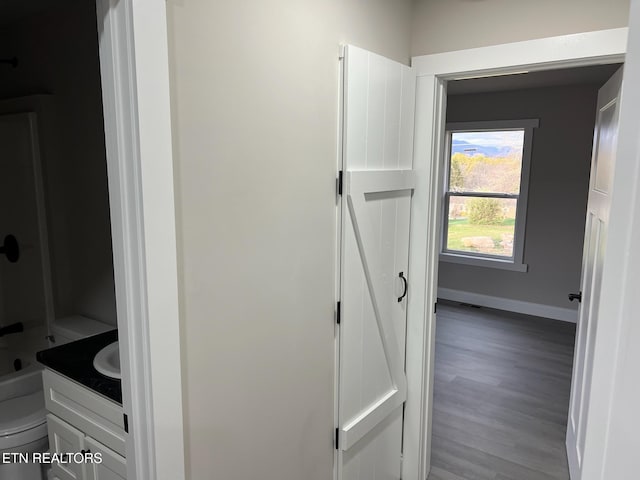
(112, 467)
(63, 438)
(91, 413)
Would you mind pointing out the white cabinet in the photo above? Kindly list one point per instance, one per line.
(80, 421)
(112, 467)
(63, 438)
(92, 414)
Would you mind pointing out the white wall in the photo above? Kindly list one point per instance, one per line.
(447, 25)
(57, 52)
(255, 105)
(558, 190)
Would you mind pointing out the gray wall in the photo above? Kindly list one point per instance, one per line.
(446, 25)
(255, 109)
(558, 192)
(57, 51)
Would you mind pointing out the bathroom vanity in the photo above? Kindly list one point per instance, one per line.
(84, 410)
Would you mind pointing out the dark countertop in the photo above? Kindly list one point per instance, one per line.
(75, 361)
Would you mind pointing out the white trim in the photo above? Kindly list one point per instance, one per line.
(338, 247)
(424, 244)
(156, 157)
(516, 261)
(607, 46)
(135, 84)
(517, 124)
(486, 262)
(612, 442)
(565, 51)
(510, 305)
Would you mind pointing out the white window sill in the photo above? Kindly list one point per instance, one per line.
(484, 262)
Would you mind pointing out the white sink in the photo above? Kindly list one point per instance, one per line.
(107, 361)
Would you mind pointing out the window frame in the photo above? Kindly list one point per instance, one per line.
(516, 261)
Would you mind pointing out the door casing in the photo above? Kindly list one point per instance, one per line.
(433, 72)
(134, 64)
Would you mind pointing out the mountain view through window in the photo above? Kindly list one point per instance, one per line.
(485, 169)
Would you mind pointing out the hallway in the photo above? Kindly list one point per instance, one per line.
(501, 395)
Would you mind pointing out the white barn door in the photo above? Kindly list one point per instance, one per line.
(376, 200)
(598, 206)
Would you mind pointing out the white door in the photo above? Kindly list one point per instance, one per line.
(602, 167)
(376, 201)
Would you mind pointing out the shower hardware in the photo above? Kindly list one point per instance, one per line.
(13, 328)
(10, 61)
(10, 248)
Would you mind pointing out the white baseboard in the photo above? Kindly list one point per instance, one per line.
(518, 306)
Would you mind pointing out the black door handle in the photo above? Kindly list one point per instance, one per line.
(404, 293)
(575, 296)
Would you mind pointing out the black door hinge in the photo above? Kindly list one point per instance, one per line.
(339, 181)
(337, 438)
(338, 313)
(126, 423)
(435, 307)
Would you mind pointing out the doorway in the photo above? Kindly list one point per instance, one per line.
(504, 376)
(434, 72)
(134, 76)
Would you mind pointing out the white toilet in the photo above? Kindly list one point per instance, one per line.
(23, 424)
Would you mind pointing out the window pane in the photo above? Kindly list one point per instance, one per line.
(486, 161)
(481, 225)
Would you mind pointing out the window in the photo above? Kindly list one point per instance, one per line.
(485, 199)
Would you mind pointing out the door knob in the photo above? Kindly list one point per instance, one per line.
(575, 296)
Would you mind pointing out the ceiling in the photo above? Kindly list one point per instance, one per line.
(593, 75)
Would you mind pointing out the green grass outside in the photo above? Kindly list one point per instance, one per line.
(461, 228)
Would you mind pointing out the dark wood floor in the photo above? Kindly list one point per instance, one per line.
(501, 395)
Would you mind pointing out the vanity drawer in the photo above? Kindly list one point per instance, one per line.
(89, 412)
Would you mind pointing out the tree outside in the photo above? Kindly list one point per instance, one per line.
(483, 224)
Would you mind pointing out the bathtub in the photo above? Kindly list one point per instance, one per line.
(17, 384)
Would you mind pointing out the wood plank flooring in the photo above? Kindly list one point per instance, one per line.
(501, 395)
